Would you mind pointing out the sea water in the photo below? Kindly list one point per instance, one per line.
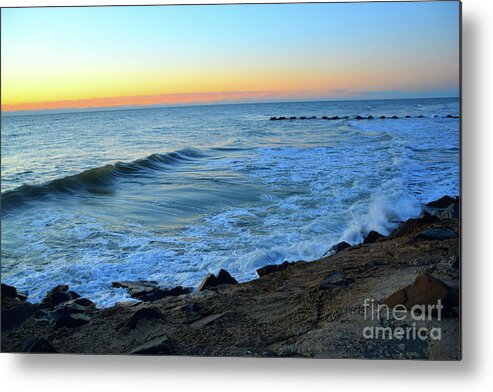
(169, 194)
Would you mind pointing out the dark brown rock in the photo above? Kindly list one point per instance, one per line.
(223, 278)
(451, 212)
(372, 236)
(143, 314)
(59, 295)
(443, 202)
(158, 346)
(158, 293)
(271, 268)
(426, 290)
(337, 248)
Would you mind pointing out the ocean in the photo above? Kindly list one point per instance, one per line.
(170, 194)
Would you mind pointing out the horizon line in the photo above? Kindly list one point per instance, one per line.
(71, 110)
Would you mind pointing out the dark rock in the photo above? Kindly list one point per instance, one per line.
(59, 295)
(372, 236)
(337, 248)
(143, 314)
(358, 117)
(85, 302)
(382, 117)
(72, 320)
(222, 278)
(336, 117)
(335, 280)
(313, 117)
(370, 117)
(426, 290)
(8, 291)
(292, 118)
(451, 212)
(325, 118)
(282, 118)
(17, 312)
(411, 224)
(158, 346)
(273, 118)
(420, 116)
(158, 293)
(303, 118)
(437, 234)
(443, 202)
(435, 116)
(408, 116)
(271, 268)
(38, 345)
(395, 117)
(455, 262)
(135, 285)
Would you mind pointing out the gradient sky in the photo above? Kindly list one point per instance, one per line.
(127, 56)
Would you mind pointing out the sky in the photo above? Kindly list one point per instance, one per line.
(61, 58)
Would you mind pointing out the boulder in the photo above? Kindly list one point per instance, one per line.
(158, 293)
(426, 290)
(358, 117)
(437, 234)
(15, 313)
(271, 268)
(72, 320)
(372, 236)
(143, 314)
(303, 118)
(335, 118)
(38, 345)
(59, 295)
(325, 118)
(337, 248)
(370, 117)
(411, 224)
(292, 118)
(11, 292)
(273, 118)
(443, 202)
(158, 346)
(382, 117)
(222, 278)
(395, 117)
(451, 212)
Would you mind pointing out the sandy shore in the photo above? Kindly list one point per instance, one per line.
(323, 309)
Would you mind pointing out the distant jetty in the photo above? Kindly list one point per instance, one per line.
(357, 117)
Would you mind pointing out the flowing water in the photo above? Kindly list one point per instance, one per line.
(169, 194)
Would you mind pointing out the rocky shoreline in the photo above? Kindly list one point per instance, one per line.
(323, 308)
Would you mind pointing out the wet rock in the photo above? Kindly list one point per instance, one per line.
(370, 117)
(313, 117)
(455, 262)
(383, 117)
(273, 119)
(85, 302)
(292, 118)
(408, 116)
(59, 295)
(222, 278)
(143, 314)
(38, 345)
(358, 117)
(158, 346)
(271, 268)
(437, 234)
(335, 280)
(158, 293)
(336, 118)
(420, 116)
(9, 291)
(395, 117)
(325, 118)
(372, 236)
(303, 118)
(411, 224)
(282, 118)
(443, 202)
(135, 286)
(337, 248)
(426, 290)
